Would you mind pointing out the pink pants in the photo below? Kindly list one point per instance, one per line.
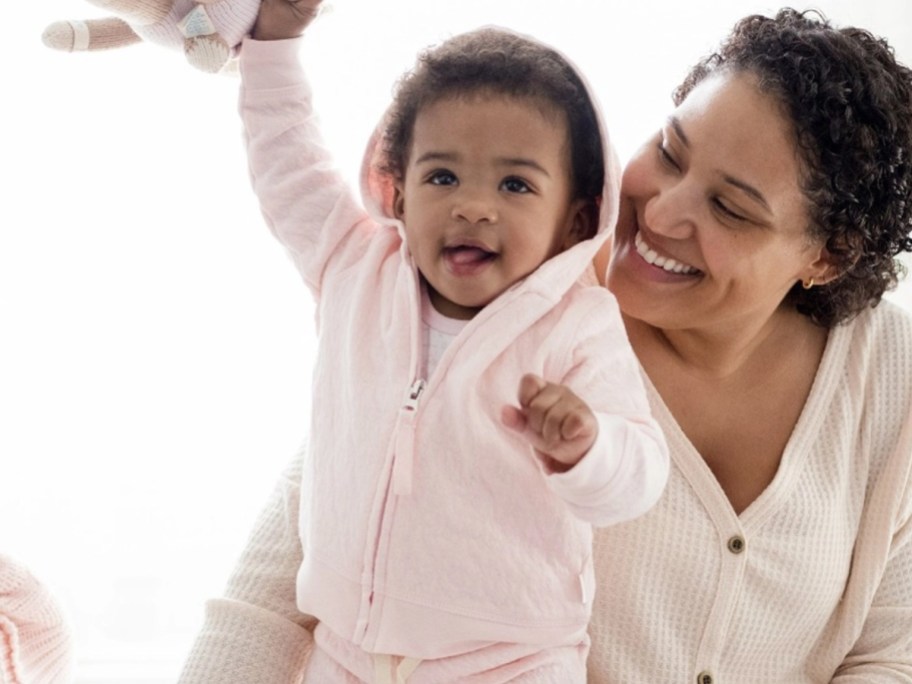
(336, 661)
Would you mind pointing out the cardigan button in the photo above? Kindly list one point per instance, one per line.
(736, 545)
(705, 677)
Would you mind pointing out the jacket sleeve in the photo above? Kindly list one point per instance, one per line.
(624, 472)
(255, 633)
(35, 641)
(882, 653)
(305, 201)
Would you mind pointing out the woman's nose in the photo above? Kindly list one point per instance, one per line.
(671, 212)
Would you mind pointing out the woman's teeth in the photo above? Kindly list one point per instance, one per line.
(665, 263)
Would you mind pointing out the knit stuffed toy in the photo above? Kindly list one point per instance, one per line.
(208, 31)
(35, 642)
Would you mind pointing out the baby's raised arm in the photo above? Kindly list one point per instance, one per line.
(283, 19)
(307, 204)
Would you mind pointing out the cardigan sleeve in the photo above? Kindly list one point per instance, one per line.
(882, 654)
(303, 198)
(255, 633)
(35, 640)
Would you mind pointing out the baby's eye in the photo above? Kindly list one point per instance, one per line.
(517, 185)
(442, 177)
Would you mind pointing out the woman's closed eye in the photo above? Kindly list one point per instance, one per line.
(726, 211)
(666, 157)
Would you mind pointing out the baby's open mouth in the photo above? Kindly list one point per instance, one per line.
(468, 255)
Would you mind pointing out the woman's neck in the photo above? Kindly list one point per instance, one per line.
(723, 353)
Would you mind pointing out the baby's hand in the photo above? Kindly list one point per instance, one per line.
(557, 423)
(282, 19)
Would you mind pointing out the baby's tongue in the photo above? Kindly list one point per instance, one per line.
(464, 256)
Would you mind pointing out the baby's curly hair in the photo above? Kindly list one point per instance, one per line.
(491, 60)
(850, 104)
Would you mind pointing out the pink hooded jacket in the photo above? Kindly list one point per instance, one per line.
(429, 529)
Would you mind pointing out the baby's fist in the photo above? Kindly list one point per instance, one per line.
(558, 424)
(283, 19)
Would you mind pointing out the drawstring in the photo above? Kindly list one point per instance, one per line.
(387, 671)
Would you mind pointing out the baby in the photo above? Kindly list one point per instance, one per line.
(476, 409)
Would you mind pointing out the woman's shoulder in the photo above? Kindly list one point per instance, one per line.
(876, 363)
(882, 336)
(888, 312)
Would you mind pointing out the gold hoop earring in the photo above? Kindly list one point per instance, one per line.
(807, 284)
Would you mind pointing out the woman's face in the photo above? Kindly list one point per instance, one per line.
(712, 230)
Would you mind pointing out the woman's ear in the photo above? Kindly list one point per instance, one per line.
(824, 269)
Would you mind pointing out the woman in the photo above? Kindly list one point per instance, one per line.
(759, 229)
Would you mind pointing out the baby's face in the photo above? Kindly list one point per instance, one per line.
(487, 197)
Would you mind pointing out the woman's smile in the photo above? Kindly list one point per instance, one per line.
(660, 260)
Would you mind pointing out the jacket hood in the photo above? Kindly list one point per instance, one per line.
(556, 275)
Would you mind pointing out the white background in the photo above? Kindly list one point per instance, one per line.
(154, 340)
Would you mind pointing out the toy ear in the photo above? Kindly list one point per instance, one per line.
(92, 34)
(208, 53)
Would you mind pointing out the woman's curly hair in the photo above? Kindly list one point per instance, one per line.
(850, 104)
(494, 61)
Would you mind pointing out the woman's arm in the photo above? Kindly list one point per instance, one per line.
(255, 633)
(882, 653)
(35, 642)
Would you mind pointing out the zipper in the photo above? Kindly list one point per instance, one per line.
(400, 477)
(400, 481)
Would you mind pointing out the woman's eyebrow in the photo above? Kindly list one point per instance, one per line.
(675, 124)
(747, 188)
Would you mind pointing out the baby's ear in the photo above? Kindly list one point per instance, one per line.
(398, 200)
(585, 220)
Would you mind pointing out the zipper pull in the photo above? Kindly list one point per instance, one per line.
(405, 442)
(411, 404)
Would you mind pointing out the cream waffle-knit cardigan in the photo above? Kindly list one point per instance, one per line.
(812, 583)
(35, 642)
